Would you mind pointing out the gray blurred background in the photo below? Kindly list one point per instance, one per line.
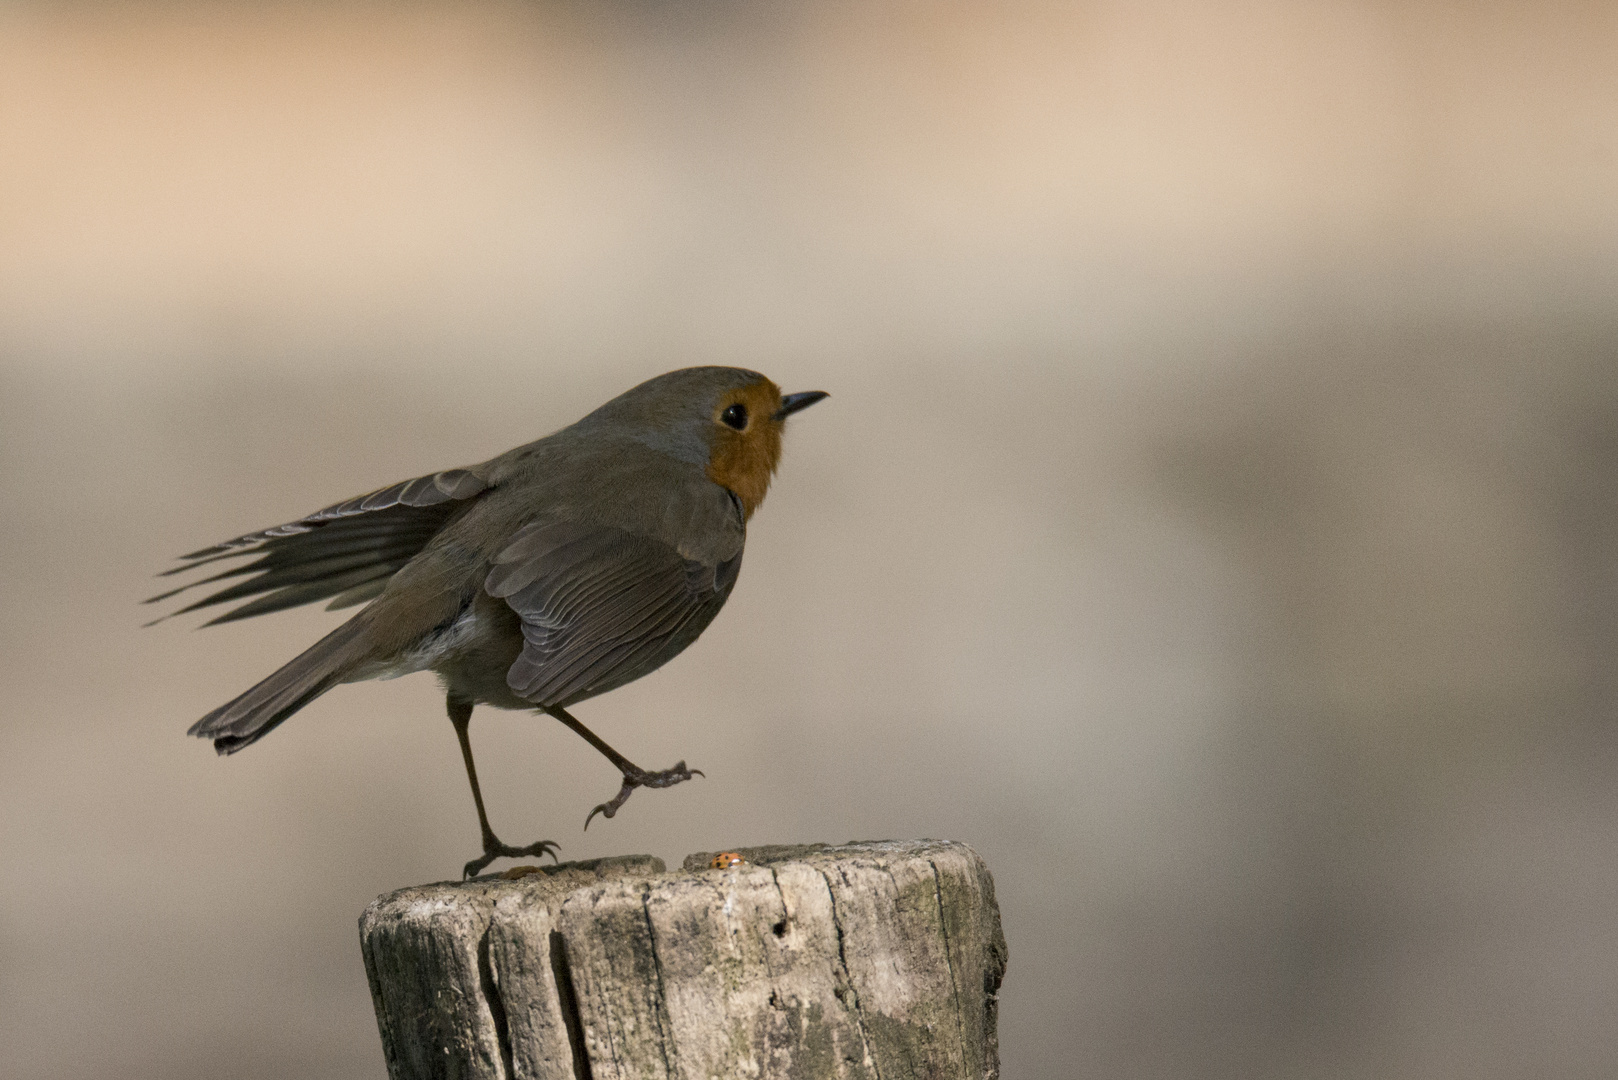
(1214, 523)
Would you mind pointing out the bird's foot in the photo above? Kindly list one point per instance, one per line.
(636, 777)
(493, 849)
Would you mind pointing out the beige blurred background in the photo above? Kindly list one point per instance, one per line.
(1215, 520)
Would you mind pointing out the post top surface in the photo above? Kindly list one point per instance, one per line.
(546, 884)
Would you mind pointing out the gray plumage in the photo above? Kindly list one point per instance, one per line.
(551, 573)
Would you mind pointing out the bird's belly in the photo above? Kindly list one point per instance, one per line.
(436, 650)
(471, 655)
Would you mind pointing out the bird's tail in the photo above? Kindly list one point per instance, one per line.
(253, 715)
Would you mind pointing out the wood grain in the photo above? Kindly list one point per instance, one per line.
(811, 962)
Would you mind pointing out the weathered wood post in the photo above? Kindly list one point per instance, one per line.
(877, 960)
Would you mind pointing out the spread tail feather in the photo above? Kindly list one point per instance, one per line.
(248, 718)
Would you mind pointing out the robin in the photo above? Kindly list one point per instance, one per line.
(542, 577)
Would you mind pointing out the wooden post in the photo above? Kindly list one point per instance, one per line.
(870, 960)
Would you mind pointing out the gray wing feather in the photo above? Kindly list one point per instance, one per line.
(359, 594)
(348, 550)
(424, 491)
(599, 606)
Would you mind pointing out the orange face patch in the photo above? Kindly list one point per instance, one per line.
(744, 460)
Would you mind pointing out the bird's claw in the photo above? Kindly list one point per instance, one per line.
(493, 849)
(641, 778)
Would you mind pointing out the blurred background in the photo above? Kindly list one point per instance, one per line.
(1214, 522)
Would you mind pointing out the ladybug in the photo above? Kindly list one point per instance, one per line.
(725, 860)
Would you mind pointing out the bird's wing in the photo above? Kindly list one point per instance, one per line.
(599, 605)
(347, 551)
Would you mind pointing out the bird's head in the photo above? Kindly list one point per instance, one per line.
(726, 420)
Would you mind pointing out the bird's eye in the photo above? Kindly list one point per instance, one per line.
(735, 416)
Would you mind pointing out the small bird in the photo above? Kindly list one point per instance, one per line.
(555, 572)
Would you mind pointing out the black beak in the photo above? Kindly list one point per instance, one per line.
(796, 402)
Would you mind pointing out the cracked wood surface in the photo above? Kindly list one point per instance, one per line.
(866, 960)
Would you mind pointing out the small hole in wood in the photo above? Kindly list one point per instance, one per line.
(780, 928)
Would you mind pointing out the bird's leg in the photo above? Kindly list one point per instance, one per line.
(634, 775)
(460, 714)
